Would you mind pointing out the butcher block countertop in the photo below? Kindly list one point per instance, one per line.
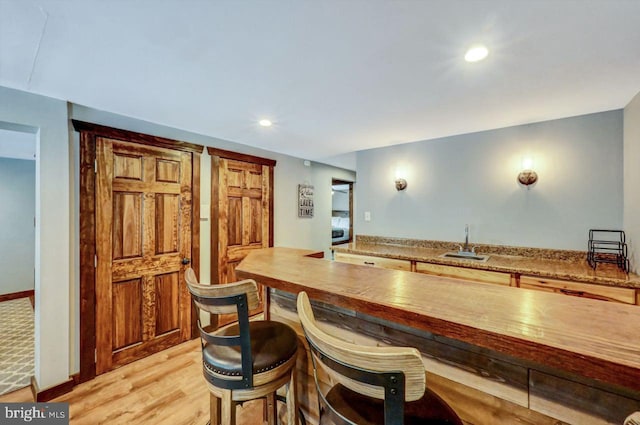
(548, 263)
(594, 339)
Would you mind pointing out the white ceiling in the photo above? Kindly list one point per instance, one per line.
(335, 76)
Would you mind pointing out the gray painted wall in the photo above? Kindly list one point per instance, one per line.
(632, 180)
(17, 231)
(471, 179)
(47, 119)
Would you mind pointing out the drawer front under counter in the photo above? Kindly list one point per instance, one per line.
(579, 289)
(482, 276)
(367, 260)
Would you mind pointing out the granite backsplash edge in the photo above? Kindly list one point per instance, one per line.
(540, 253)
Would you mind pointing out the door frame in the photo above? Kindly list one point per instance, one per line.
(88, 134)
(334, 182)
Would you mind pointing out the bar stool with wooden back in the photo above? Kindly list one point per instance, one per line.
(247, 360)
(370, 385)
(633, 419)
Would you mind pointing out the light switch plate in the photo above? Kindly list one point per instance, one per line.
(367, 216)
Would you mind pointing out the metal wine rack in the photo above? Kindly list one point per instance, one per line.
(607, 246)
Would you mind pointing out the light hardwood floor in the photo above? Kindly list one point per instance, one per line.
(165, 388)
(23, 395)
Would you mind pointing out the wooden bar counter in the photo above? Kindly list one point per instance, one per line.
(591, 339)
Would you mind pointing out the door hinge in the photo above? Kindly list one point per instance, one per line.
(95, 261)
(95, 165)
(95, 355)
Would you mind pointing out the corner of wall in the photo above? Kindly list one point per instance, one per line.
(631, 179)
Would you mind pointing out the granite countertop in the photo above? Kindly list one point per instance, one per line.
(556, 264)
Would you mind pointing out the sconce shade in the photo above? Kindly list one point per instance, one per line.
(401, 184)
(527, 177)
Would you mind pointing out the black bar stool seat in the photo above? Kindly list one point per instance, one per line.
(272, 344)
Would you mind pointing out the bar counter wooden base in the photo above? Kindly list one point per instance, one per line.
(495, 354)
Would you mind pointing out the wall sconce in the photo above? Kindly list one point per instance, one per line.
(401, 178)
(527, 176)
(401, 184)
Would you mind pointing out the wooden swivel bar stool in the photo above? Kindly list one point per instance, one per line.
(247, 360)
(370, 385)
(633, 419)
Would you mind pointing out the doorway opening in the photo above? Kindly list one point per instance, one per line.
(341, 212)
(17, 256)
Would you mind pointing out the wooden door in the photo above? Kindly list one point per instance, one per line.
(242, 208)
(143, 234)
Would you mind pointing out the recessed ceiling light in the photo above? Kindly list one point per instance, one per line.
(265, 123)
(476, 53)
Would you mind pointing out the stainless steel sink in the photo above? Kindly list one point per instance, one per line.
(466, 256)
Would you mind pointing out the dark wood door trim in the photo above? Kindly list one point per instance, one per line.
(16, 295)
(195, 230)
(221, 153)
(87, 257)
(132, 136)
(88, 134)
(271, 196)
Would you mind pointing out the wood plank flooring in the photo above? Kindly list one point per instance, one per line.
(165, 388)
(23, 395)
(168, 388)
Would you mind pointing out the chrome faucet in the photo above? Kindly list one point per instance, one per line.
(465, 249)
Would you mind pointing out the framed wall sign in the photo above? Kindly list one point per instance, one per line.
(305, 200)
